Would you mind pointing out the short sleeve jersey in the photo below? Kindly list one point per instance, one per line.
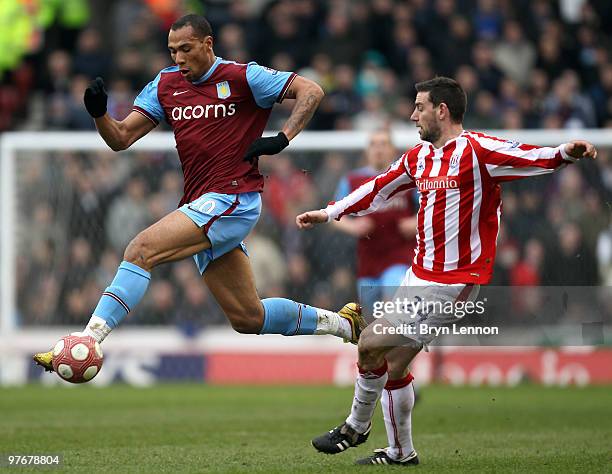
(214, 120)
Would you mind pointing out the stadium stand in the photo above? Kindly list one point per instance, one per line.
(525, 64)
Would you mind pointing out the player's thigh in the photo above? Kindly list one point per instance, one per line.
(231, 281)
(227, 220)
(427, 307)
(173, 237)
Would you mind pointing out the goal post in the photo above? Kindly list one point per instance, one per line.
(13, 143)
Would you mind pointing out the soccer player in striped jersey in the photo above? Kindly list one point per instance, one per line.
(458, 174)
(218, 110)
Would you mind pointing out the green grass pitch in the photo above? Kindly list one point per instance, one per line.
(198, 428)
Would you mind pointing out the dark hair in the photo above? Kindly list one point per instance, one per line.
(447, 90)
(199, 24)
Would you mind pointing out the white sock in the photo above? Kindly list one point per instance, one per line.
(368, 387)
(332, 323)
(97, 328)
(397, 402)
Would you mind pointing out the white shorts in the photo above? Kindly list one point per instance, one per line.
(426, 305)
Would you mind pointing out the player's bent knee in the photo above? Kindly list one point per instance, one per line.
(139, 252)
(369, 346)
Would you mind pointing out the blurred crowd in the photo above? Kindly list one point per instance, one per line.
(523, 63)
(79, 211)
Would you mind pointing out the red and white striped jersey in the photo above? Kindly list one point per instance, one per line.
(460, 200)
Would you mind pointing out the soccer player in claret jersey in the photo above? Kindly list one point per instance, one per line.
(218, 110)
(386, 238)
(458, 174)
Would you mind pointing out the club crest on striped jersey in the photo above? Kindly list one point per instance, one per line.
(454, 161)
(420, 164)
(223, 90)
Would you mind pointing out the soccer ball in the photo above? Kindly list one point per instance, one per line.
(77, 358)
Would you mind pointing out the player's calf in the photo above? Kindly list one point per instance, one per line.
(246, 320)
(376, 341)
(290, 318)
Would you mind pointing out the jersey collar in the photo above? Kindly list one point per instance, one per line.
(208, 73)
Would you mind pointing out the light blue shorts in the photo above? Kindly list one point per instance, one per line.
(226, 219)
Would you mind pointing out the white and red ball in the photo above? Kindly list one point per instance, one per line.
(77, 358)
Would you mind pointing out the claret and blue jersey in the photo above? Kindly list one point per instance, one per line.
(214, 120)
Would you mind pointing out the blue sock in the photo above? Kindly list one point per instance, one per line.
(283, 316)
(124, 293)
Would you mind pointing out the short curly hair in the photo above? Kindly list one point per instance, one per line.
(199, 24)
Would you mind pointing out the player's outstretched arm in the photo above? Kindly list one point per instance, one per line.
(365, 199)
(506, 160)
(118, 135)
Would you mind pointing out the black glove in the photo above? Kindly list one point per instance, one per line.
(266, 146)
(95, 98)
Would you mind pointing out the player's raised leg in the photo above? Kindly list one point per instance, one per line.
(172, 238)
(231, 281)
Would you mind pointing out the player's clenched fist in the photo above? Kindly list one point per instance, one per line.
(308, 219)
(580, 149)
(95, 98)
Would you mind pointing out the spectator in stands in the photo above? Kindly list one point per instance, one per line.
(58, 73)
(128, 214)
(196, 309)
(485, 112)
(527, 272)
(573, 263)
(566, 102)
(489, 75)
(90, 59)
(268, 264)
(514, 55)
